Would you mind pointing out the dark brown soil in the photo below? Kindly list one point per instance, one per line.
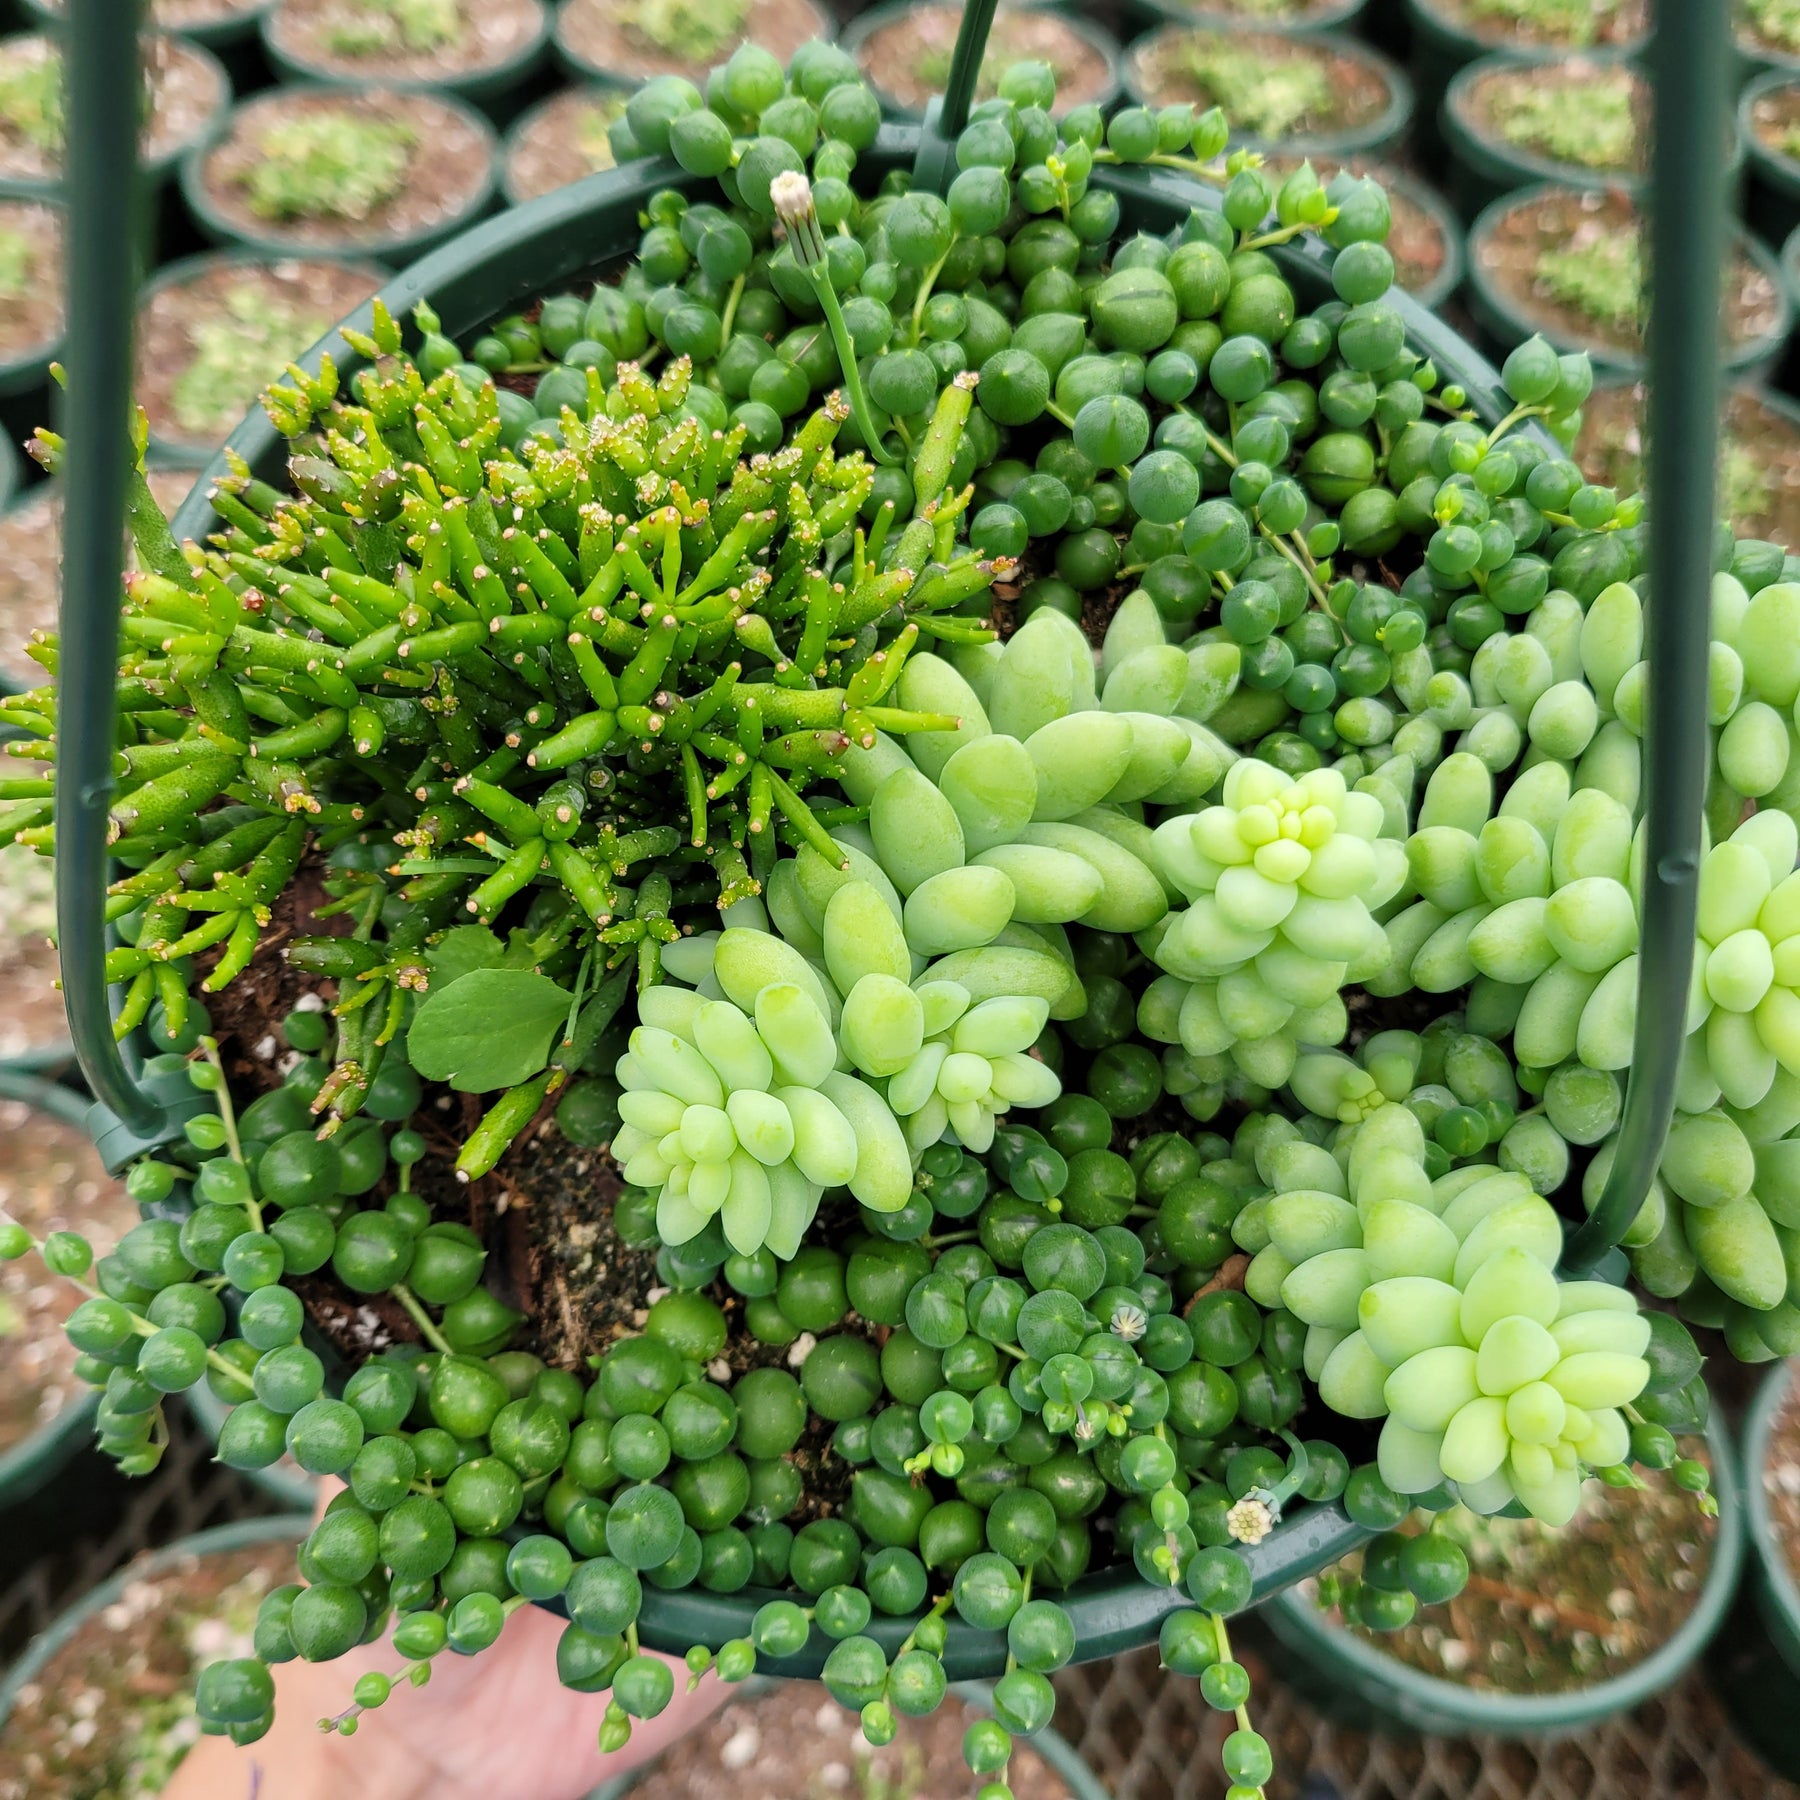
(1415, 239)
(1552, 24)
(1781, 1479)
(603, 35)
(186, 89)
(31, 312)
(491, 34)
(908, 59)
(113, 1711)
(1511, 254)
(1549, 1611)
(565, 141)
(31, 572)
(447, 169)
(796, 1743)
(1775, 119)
(51, 1179)
(1760, 446)
(1768, 25)
(295, 303)
(1489, 106)
(1271, 87)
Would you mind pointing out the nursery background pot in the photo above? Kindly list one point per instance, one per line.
(1082, 1782)
(12, 468)
(168, 445)
(1756, 1665)
(506, 262)
(490, 87)
(395, 246)
(552, 115)
(1482, 168)
(1377, 137)
(242, 1534)
(1441, 46)
(28, 372)
(38, 1458)
(857, 34)
(1507, 324)
(1773, 197)
(639, 64)
(1307, 15)
(1358, 1679)
(222, 34)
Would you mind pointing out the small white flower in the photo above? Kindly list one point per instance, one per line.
(791, 195)
(1249, 1521)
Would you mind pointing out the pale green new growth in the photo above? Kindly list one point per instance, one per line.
(1590, 123)
(1261, 95)
(370, 27)
(1777, 21)
(15, 263)
(237, 356)
(698, 30)
(1601, 278)
(31, 96)
(329, 165)
(1576, 23)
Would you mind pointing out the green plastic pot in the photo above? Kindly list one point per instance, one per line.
(1081, 1781)
(858, 33)
(171, 449)
(242, 1534)
(628, 75)
(1483, 168)
(1506, 324)
(1773, 198)
(1756, 1665)
(29, 371)
(394, 247)
(1441, 46)
(1378, 137)
(36, 1460)
(1308, 16)
(485, 87)
(505, 263)
(218, 35)
(1356, 1679)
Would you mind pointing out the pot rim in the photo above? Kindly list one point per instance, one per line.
(1298, 1614)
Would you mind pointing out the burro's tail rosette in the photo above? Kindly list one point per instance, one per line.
(1434, 1305)
(1282, 877)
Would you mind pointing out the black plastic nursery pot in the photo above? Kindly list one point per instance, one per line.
(221, 25)
(1445, 37)
(573, 233)
(1357, 1680)
(489, 78)
(1155, 76)
(591, 45)
(450, 121)
(1757, 1663)
(1507, 321)
(559, 140)
(1484, 165)
(297, 278)
(1086, 57)
(1255, 15)
(38, 1458)
(1057, 1752)
(157, 164)
(242, 1534)
(25, 366)
(1769, 109)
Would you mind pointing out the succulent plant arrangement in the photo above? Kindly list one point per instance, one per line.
(1018, 1041)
